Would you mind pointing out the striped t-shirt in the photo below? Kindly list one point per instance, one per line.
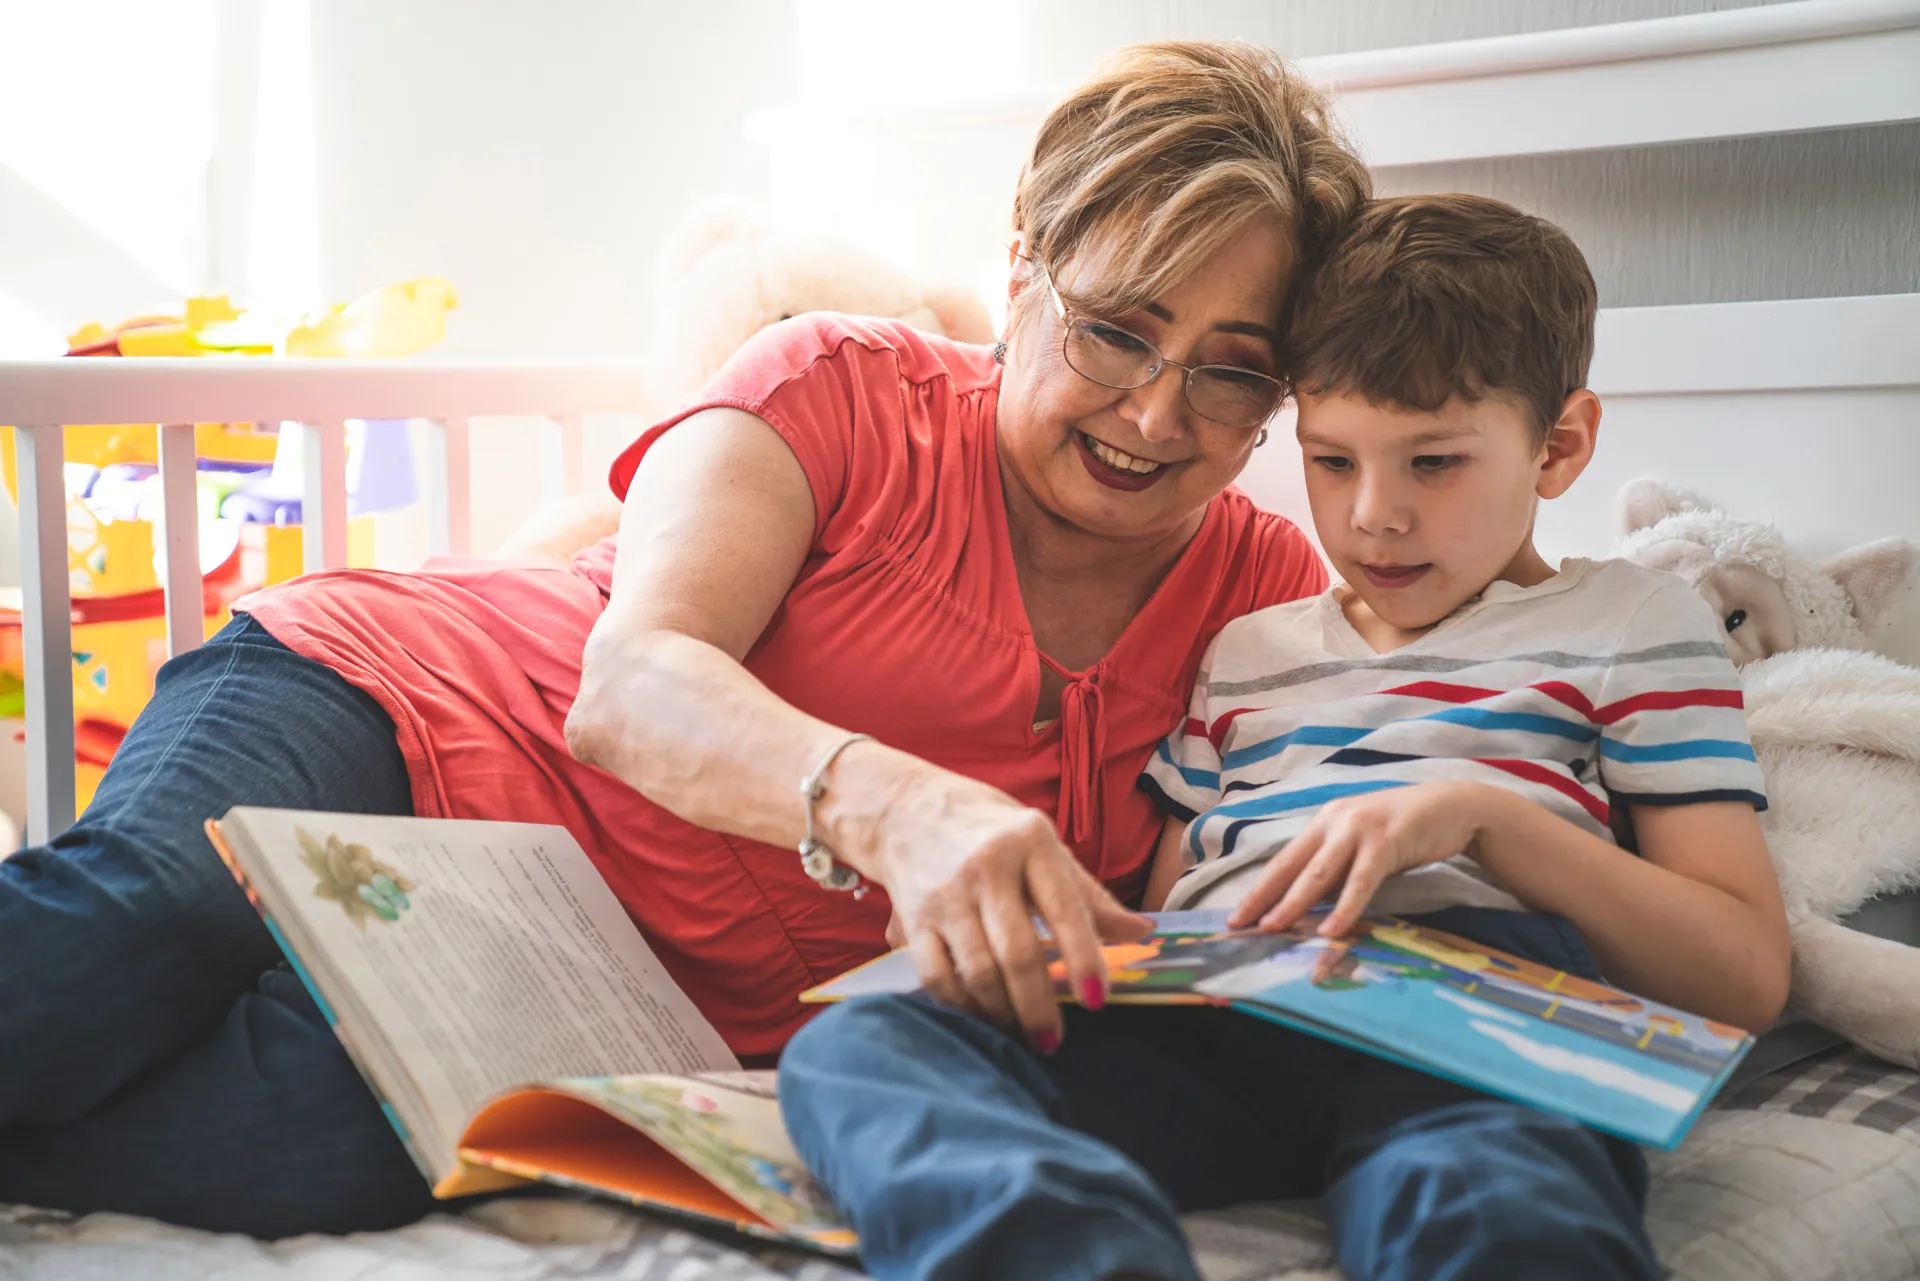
(1606, 685)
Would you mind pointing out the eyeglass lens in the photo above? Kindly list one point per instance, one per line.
(1115, 358)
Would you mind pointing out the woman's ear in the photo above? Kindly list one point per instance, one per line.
(1016, 278)
(1569, 444)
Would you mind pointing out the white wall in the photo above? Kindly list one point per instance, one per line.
(533, 155)
(1809, 215)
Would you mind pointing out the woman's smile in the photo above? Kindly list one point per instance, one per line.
(1115, 468)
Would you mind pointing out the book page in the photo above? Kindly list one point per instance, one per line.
(727, 1126)
(485, 955)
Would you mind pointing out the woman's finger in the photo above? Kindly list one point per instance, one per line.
(1063, 901)
(935, 967)
(1280, 874)
(978, 966)
(1328, 867)
(1111, 922)
(1008, 920)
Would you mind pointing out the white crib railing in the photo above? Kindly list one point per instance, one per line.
(37, 398)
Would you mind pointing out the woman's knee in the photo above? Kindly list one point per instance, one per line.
(265, 1128)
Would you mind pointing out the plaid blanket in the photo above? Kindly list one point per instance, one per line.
(1852, 1087)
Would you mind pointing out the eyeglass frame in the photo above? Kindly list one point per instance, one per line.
(1161, 361)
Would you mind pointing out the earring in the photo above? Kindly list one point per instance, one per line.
(1000, 352)
(1261, 439)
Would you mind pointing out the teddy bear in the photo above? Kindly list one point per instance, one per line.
(1836, 730)
(724, 273)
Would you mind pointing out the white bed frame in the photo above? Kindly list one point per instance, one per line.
(1826, 391)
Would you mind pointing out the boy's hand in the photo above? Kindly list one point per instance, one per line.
(1362, 840)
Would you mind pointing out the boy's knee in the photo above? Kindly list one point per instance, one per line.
(854, 1030)
(1494, 1190)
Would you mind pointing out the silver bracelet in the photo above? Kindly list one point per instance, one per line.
(816, 859)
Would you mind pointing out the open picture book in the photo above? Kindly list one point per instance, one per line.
(1428, 1000)
(514, 1023)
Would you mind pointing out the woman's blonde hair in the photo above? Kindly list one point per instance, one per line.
(1169, 152)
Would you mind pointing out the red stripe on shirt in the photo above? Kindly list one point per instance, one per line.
(1441, 692)
(1535, 772)
(1667, 700)
(1217, 733)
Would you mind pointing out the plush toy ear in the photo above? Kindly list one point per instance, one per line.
(1646, 501)
(1877, 577)
(962, 316)
(704, 225)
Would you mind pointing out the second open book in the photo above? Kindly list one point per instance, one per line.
(515, 1025)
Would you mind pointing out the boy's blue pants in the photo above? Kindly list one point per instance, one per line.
(960, 1153)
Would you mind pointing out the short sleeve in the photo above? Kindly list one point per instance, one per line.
(1183, 774)
(1673, 726)
(833, 388)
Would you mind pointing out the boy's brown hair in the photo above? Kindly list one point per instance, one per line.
(1425, 298)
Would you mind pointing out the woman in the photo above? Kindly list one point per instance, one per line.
(1004, 574)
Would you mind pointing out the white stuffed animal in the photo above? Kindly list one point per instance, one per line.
(1837, 732)
(724, 274)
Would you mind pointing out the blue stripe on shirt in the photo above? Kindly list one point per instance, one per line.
(1306, 735)
(1303, 799)
(1205, 780)
(1472, 717)
(1690, 749)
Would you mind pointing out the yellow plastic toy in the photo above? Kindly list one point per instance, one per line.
(119, 626)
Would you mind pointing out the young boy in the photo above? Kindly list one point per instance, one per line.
(1457, 723)
(1457, 731)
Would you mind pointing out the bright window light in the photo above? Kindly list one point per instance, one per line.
(107, 108)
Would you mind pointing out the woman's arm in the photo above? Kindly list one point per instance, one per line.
(716, 527)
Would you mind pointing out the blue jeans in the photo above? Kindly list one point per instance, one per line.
(959, 1153)
(156, 1057)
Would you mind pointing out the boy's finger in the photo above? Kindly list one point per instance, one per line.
(1363, 879)
(1068, 914)
(1312, 885)
(1023, 969)
(1280, 875)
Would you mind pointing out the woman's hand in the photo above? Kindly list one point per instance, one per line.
(968, 869)
(1357, 842)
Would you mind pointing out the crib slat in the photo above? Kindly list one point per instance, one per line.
(449, 492)
(46, 630)
(323, 502)
(180, 538)
(563, 450)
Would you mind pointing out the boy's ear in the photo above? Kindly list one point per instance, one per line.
(1570, 442)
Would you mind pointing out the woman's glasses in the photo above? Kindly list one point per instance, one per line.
(1113, 357)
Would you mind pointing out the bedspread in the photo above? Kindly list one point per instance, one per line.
(1811, 1174)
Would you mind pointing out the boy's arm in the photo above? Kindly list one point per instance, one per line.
(1694, 921)
(1169, 860)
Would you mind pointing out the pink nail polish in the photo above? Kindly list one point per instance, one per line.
(1092, 994)
(1046, 1042)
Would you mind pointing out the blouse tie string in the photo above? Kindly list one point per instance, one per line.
(1083, 747)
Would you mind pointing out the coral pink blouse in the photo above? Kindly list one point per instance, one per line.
(906, 622)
